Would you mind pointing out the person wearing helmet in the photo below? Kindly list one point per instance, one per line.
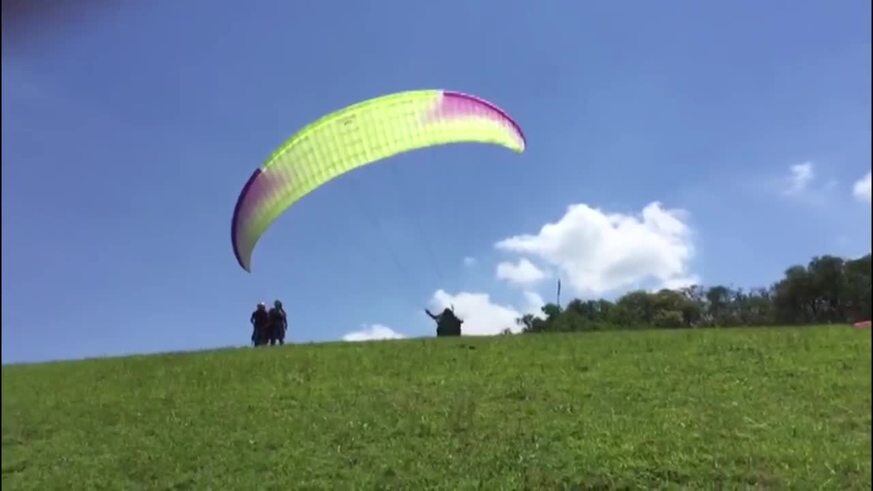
(260, 323)
(278, 324)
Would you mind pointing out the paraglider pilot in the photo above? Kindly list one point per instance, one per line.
(448, 323)
(278, 323)
(260, 322)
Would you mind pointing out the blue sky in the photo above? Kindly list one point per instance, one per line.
(128, 130)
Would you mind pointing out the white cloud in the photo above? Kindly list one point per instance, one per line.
(523, 273)
(598, 252)
(469, 261)
(376, 331)
(534, 304)
(801, 176)
(480, 315)
(861, 190)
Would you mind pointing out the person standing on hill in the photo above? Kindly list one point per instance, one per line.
(260, 323)
(448, 323)
(278, 323)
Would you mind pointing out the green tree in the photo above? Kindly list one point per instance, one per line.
(857, 294)
(828, 285)
(531, 323)
(718, 300)
(671, 309)
(551, 310)
(829, 289)
(794, 298)
(634, 309)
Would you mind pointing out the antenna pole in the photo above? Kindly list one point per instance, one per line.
(559, 292)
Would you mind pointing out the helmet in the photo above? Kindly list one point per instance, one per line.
(277, 304)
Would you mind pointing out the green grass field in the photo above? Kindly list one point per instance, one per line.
(775, 408)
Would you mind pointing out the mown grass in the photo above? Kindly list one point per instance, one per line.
(775, 408)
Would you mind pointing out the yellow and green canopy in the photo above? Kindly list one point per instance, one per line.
(358, 135)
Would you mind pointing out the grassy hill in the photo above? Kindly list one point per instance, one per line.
(768, 407)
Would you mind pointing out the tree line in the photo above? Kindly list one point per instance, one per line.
(829, 289)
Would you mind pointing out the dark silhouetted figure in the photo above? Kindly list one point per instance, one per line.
(278, 323)
(260, 323)
(448, 323)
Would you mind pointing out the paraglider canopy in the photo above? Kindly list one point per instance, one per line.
(359, 135)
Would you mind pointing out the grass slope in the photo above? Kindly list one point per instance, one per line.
(766, 407)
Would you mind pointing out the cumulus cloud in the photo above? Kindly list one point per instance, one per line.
(861, 190)
(481, 316)
(599, 252)
(522, 273)
(800, 177)
(374, 332)
(469, 261)
(534, 304)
